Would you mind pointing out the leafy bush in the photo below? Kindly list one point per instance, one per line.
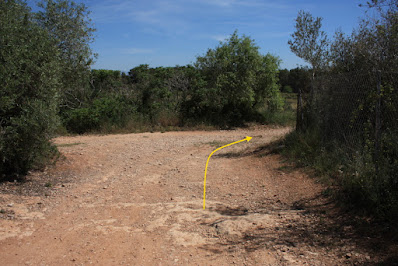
(28, 97)
(236, 79)
(287, 89)
(111, 111)
(371, 190)
(82, 120)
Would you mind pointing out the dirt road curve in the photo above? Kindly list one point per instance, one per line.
(136, 199)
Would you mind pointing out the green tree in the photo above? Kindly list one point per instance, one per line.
(153, 91)
(69, 24)
(371, 46)
(267, 89)
(283, 78)
(29, 71)
(237, 78)
(103, 80)
(309, 42)
(300, 79)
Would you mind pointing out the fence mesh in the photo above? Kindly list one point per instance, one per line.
(357, 110)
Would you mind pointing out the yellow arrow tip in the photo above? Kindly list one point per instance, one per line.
(248, 138)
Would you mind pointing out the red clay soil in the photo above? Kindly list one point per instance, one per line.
(136, 199)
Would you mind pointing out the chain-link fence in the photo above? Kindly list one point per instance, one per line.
(356, 110)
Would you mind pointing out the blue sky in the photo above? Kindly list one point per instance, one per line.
(174, 32)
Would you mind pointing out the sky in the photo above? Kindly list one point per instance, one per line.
(175, 32)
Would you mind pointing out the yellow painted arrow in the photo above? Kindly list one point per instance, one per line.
(207, 163)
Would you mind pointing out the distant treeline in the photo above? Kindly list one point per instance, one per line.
(178, 96)
(295, 79)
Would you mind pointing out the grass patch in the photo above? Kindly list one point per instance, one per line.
(349, 172)
(69, 144)
(283, 118)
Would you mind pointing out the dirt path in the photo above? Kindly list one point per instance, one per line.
(136, 199)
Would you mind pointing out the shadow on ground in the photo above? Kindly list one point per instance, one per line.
(261, 151)
(320, 229)
(228, 211)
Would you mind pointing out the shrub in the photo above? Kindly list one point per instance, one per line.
(287, 89)
(105, 112)
(28, 95)
(361, 185)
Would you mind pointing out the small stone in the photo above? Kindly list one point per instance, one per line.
(348, 255)
(311, 253)
(10, 205)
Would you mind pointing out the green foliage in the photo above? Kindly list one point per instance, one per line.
(228, 86)
(103, 112)
(236, 78)
(28, 98)
(103, 80)
(309, 42)
(371, 46)
(154, 90)
(342, 139)
(287, 89)
(70, 26)
(370, 190)
(283, 78)
(295, 79)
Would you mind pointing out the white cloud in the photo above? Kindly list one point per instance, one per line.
(245, 3)
(222, 3)
(219, 38)
(279, 34)
(138, 51)
(171, 18)
(150, 16)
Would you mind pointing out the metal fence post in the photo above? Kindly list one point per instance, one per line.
(378, 120)
(299, 122)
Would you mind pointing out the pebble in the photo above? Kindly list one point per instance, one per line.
(10, 205)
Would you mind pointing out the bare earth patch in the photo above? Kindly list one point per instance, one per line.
(136, 199)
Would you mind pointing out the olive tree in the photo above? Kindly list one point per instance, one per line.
(29, 71)
(309, 42)
(237, 78)
(70, 26)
